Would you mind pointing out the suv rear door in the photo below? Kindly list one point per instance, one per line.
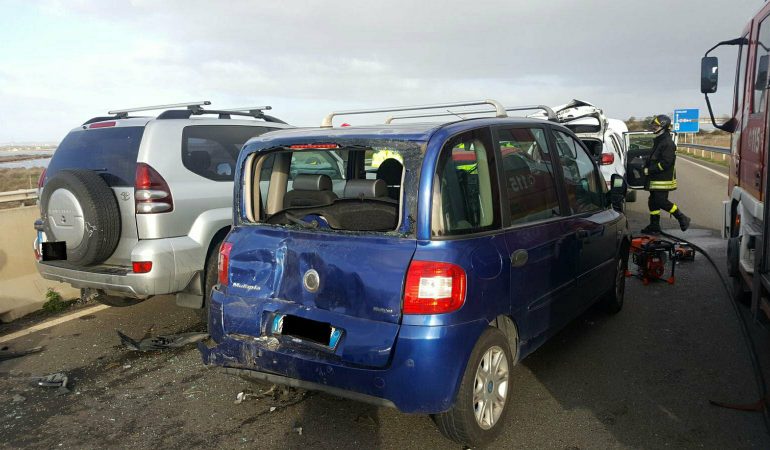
(109, 148)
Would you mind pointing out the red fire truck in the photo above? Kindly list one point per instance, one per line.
(745, 217)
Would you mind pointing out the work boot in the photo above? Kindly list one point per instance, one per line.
(684, 221)
(654, 226)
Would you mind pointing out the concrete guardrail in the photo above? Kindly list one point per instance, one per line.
(19, 195)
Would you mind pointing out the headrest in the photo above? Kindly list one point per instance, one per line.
(365, 188)
(310, 182)
(199, 160)
(390, 171)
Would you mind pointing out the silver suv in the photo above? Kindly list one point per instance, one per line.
(133, 207)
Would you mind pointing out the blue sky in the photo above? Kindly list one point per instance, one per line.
(65, 61)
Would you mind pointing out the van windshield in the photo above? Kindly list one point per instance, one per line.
(339, 188)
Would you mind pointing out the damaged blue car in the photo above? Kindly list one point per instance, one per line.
(413, 265)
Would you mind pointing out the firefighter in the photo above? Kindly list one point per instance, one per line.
(661, 176)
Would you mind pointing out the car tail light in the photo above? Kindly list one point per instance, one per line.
(141, 266)
(41, 180)
(224, 262)
(313, 146)
(151, 191)
(109, 124)
(433, 288)
(607, 158)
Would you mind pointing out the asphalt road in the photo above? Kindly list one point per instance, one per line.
(640, 379)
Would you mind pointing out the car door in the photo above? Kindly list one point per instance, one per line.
(543, 252)
(593, 223)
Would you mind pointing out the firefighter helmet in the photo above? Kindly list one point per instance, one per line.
(661, 121)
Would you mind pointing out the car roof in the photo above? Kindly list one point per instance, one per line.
(420, 132)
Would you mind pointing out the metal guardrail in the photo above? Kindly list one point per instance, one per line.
(708, 148)
(16, 196)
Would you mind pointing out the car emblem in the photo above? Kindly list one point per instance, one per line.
(125, 196)
(311, 281)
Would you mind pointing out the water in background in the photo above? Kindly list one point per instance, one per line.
(26, 164)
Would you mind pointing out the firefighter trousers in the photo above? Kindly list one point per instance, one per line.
(659, 201)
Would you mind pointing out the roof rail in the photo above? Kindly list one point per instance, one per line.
(548, 111)
(253, 111)
(192, 106)
(499, 109)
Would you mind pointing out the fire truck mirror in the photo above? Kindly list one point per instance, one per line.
(709, 74)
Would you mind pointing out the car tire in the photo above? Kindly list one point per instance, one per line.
(612, 303)
(211, 272)
(91, 200)
(478, 415)
(631, 196)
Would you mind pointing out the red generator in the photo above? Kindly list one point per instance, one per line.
(650, 255)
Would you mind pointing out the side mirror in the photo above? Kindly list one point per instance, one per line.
(709, 74)
(618, 191)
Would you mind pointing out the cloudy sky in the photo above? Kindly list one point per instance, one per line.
(62, 62)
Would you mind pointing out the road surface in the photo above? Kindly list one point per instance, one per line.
(642, 378)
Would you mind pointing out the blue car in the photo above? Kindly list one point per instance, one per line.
(420, 283)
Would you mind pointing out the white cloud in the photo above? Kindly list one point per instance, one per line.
(309, 57)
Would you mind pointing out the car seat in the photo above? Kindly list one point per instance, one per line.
(310, 190)
(391, 171)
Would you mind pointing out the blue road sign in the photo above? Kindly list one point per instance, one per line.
(686, 120)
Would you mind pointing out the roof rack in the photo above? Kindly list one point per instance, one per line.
(499, 109)
(192, 106)
(253, 111)
(548, 111)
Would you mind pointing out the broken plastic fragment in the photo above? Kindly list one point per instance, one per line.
(7, 353)
(161, 342)
(58, 379)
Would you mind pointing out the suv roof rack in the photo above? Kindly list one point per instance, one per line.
(548, 111)
(192, 106)
(499, 109)
(251, 111)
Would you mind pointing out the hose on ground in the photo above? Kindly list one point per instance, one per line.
(759, 377)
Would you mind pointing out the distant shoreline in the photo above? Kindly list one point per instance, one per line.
(5, 159)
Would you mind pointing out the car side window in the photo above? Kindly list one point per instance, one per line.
(464, 198)
(581, 179)
(528, 178)
(617, 147)
(211, 151)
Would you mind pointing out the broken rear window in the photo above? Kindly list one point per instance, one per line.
(366, 186)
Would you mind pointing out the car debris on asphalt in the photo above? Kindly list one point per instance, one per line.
(160, 342)
(8, 353)
(56, 380)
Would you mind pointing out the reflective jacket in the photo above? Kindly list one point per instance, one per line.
(661, 174)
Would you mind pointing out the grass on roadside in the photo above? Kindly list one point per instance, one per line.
(725, 163)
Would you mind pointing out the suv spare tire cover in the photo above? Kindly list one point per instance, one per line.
(78, 207)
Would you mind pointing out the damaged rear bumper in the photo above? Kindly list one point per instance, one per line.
(423, 375)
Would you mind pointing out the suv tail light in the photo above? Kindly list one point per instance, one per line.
(607, 159)
(151, 191)
(224, 262)
(433, 288)
(41, 180)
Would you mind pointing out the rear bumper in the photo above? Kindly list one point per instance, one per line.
(174, 262)
(426, 366)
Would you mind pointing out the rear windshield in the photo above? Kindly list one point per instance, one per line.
(110, 151)
(347, 188)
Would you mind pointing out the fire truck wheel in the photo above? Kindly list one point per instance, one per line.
(613, 301)
(740, 293)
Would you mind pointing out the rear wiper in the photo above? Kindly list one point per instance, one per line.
(300, 222)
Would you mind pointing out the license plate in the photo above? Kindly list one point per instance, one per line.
(306, 330)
